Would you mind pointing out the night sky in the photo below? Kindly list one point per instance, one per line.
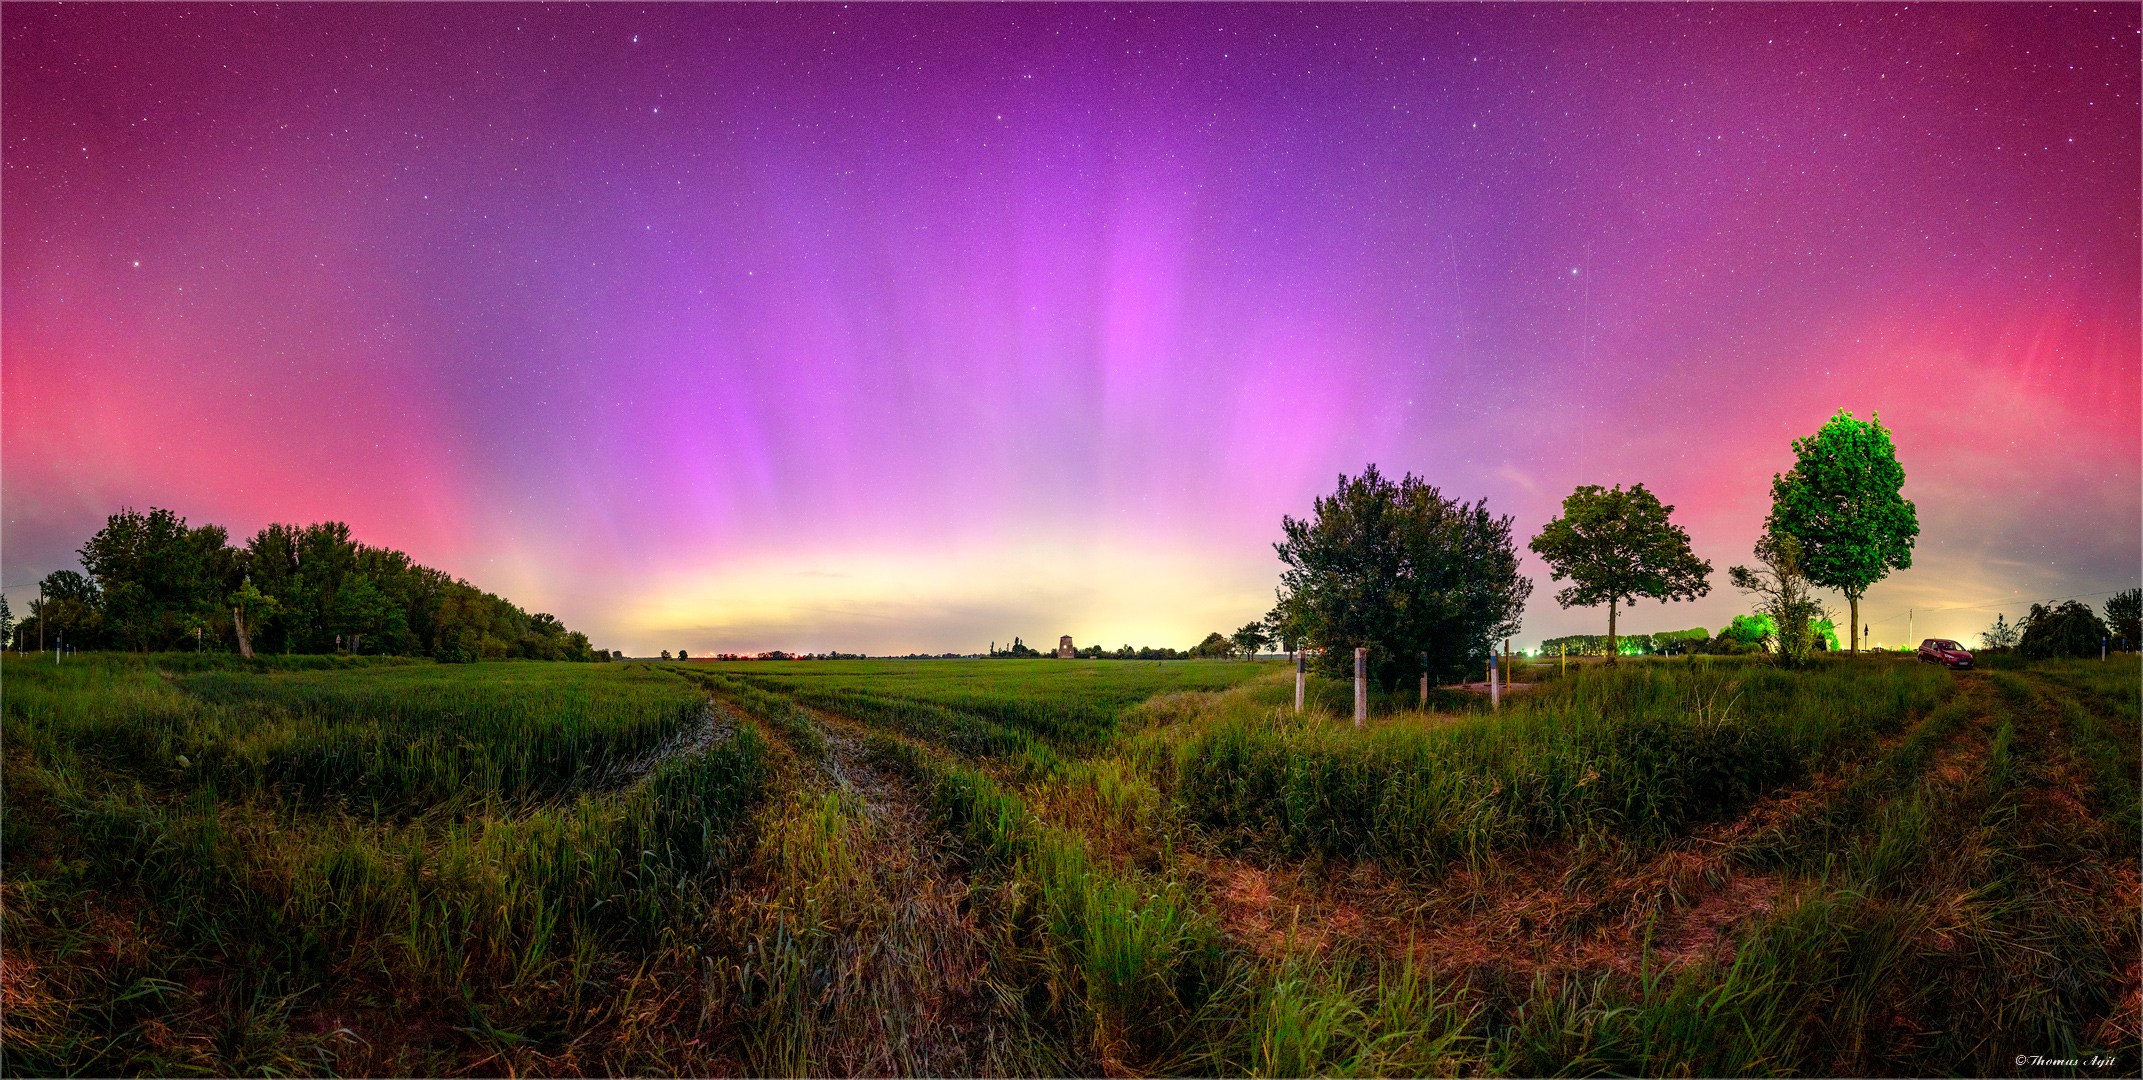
(916, 327)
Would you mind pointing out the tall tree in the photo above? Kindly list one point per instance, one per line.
(1616, 546)
(2124, 616)
(1249, 639)
(1402, 571)
(1842, 501)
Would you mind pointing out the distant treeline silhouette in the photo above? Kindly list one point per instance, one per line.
(153, 584)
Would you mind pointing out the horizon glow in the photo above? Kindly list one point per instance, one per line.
(909, 328)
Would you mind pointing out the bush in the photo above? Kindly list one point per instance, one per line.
(2070, 629)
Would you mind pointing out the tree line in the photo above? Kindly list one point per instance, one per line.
(149, 583)
(1427, 584)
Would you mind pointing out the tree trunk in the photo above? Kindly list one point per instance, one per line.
(245, 644)
(1612, 651)
(1854, 602)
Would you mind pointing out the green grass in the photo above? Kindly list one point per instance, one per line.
(214, 866)
(223, 883)
(1068, 703)
(1640, 752)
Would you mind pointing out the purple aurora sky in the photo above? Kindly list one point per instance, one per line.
(912, 327)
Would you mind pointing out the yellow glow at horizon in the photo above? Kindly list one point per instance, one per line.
(1102, 593)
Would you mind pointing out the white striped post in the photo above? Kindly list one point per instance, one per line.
(1361, 685)
(1301, 672)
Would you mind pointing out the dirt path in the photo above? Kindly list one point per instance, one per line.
(908, 992)
(717, 722)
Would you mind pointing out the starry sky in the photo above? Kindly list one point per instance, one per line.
(914, 327)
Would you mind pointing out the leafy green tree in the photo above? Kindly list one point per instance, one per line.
(1402, 571)
(1825, 633)
(1287, 623)
(1784, 588)
(2067, 629)
(1842, 501)
(71, 606)
(2124, 617)
(1249, 639)
(7, 620)
(1677, 642)
(1616, 546)
(359, 608)
(2001, 637)
(156, 576)
(1216, 646)
(1755, 631)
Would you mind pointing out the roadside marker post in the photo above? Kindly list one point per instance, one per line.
(1495, 699)
(1361, 685)
(1424, 682)
(1301, 672)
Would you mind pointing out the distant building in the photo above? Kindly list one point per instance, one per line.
(1064, 648)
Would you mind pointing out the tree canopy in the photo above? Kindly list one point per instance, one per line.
(2124, 617)
(1842, 501)
(153, 583)
(1401, 570)
(1616, 546)
(2067, 629)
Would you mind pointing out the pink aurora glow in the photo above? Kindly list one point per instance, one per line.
(912, 327)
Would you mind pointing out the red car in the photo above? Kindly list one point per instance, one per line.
(1947, 653)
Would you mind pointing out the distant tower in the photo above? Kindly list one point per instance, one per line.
(1064, 648)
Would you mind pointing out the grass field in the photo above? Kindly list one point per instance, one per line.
(1670, 867)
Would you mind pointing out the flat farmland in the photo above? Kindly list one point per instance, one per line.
(1701, 867)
